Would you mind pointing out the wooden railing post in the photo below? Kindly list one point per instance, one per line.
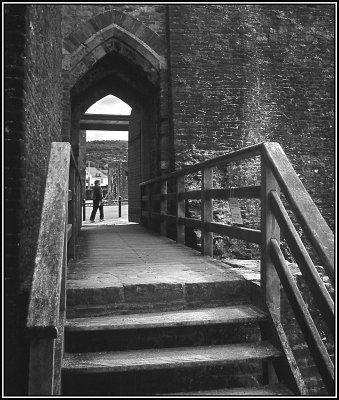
(78, 187)
(270, 282)
(119, 207)
(206, 212)
(72, 212)
(84, 209)
(41, 366)
(180, 209)
(163, 208)
(150, 205)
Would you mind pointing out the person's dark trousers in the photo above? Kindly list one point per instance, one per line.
(95, 208)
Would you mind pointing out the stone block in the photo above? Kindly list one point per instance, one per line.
(160, 292)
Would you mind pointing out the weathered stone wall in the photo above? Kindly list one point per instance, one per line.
(242, 74)
(151, 15)
(42, 126)
(15, 27)
(32, 122)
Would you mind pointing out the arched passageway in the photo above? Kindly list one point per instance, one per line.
(120, 62)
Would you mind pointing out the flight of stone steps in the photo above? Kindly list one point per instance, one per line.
(196, 351)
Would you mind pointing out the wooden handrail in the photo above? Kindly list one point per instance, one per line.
(244, 153)
(288, 370)
(315, 227)
(43, 310)
(238, 232)
(46, 309)
(316, 285)
(311, 334)
(246, 192)
(276, 173)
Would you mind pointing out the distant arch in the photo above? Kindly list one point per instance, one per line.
(114, 53)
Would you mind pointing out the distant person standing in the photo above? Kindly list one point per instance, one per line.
(97, 202)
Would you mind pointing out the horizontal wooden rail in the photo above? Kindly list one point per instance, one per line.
(168, 217)
(190, 195)
(316, 285)
(244, 153)
(246, 192)
(167, 196)
(192, 222)
(238, 232)
(316, 229)
(276, 174)
(156, 196)
(311, 334)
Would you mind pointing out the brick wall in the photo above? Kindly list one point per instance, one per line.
(14, 29)
(151, 15)
(242, 74)
(15, 25)
(32, 122)
(42, 99)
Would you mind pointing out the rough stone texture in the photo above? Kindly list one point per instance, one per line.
(15, 26)
(15, 355)
(42, 124)
(148, 383)
(242, 74)
(32, 122)
(151, 15)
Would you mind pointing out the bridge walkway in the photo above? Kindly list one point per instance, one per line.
(126, 266)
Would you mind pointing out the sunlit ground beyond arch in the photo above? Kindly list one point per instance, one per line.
(108, 105)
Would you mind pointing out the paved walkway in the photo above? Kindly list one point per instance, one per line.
(128, 266)
(127, 254)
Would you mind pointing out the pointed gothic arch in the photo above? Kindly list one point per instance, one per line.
(114, 53)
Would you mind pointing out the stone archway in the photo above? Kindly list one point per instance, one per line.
(114, 53)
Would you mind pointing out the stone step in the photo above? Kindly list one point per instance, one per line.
(150, 359)
(154, 371)
(198, 327)
(155, 297)
(262, 390)
(202, 316)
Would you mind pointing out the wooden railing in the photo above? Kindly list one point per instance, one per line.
(276, 174)
(58, 234)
